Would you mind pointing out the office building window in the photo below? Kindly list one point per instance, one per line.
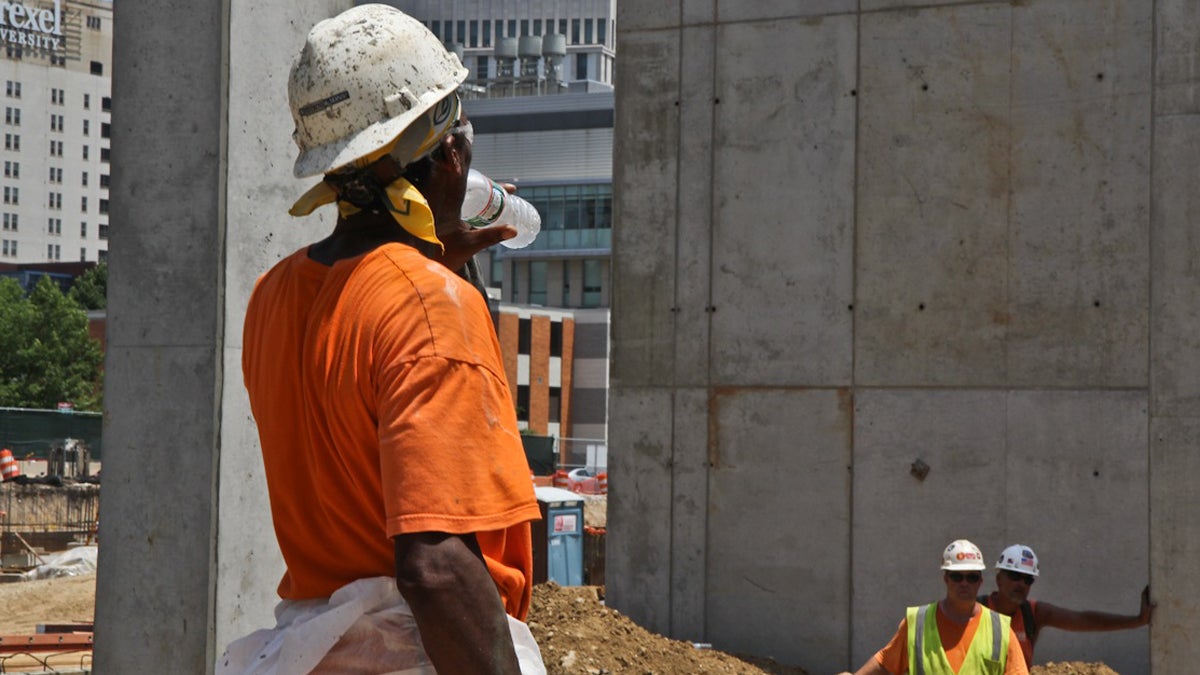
(103, 154)
(83, 230)
(537, 282)
(87, 101)
(12, 141)
(82, 254)
(93, 22)
(10, 221)
(12, 195)
(56, 122)
(581, 66)
(53, 251)
(481, 67)
(106, 103)
(562, 27)
(474, 34)
(12, 116)
(102, 256)
(10, 248)
(575, 31)
(87, 127)
(85, 152)
(56, 175)
(56, 148)
(12, 89)
(102, 231)
(524, 335)
(555, 405)
(54, 200)
(97, 68)
(103, 206)
(537, 26)
(54, 226)
(83, 204)
(512, 28)
(84, 179)
(556, 337)
(587, 31)
(460, 32)
(486, 40)
(592, 280)
(601, 24)
(12, 169)
(103, 180)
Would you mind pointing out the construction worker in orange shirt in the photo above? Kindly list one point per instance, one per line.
(955, 635)
(1016, 570)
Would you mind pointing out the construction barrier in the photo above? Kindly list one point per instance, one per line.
(9, 469)
(561, 479)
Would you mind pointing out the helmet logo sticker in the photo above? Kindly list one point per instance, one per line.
(324, 104)
(441, 111)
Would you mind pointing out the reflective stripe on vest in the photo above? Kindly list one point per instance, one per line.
(917, 627)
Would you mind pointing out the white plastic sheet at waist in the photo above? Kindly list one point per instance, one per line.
(364, 627)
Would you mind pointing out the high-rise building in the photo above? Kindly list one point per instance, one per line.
(57, 70)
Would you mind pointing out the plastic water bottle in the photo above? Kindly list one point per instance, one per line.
(487, 203)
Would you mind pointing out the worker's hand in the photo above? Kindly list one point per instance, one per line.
(1147, 609)
(465, 241)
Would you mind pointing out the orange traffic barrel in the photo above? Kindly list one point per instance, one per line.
(9, 469)
(561, 479)
(602, 483)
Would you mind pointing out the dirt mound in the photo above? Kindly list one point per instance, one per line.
(578, 635)
(58, 600)
(1072, 668)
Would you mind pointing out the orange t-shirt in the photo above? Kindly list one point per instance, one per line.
(1018, 626)
(956, 640)
(383, 409)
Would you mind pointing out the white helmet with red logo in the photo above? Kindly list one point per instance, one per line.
(1018, 558)
(962, 555)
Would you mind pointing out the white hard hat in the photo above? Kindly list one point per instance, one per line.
(962, 555)
(363, 78)
(1018, 558)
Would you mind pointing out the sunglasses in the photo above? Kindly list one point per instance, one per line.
(971, 577)
(1020, 576)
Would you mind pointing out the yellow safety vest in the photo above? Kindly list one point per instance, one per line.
(986, 655)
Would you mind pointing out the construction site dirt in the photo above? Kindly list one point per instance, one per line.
(577, 633)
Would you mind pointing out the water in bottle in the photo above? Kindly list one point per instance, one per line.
(487, 203)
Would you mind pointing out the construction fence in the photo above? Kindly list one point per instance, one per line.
(34, 434)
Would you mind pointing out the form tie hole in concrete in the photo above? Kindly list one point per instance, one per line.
(850, 308)
(1095, 303)
(1095, 474)
(919, 469)
(854, 92)
(924, 87)
(921, 307)
(1099, 77)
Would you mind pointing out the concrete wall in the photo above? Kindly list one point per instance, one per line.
(867, 233)
(201, 183)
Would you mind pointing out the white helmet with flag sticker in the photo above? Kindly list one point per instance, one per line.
(1018, 558)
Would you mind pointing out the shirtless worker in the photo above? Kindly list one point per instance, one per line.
(1016, 571)
(956, 635)
(399, 488)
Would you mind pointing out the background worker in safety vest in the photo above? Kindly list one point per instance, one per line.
(399, 488)
(956, 635)
(1017, 569)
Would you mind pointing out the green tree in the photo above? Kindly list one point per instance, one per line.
(46, 354)
(90, 289)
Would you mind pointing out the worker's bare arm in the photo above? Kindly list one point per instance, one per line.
(455, 603)
(1069, 619)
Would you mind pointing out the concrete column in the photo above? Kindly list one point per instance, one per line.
(201, 182)
(1175, 353)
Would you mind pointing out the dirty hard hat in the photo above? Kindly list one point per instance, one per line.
(1018, 558)
(962, 555)
(364, 78)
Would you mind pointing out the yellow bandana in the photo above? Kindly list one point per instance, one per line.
(406, 204)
